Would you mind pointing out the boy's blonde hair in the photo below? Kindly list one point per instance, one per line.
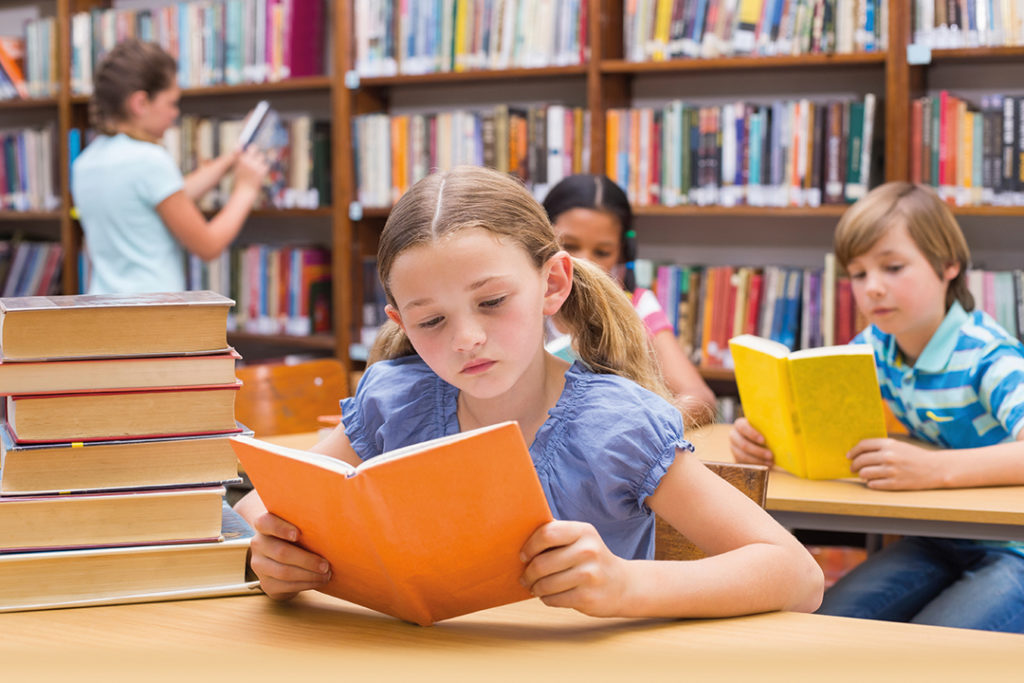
(930, 224)
(607, 334)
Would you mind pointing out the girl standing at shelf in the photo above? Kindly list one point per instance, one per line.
(955, 379)
(137, 211)
(594, 221)
(471, 268)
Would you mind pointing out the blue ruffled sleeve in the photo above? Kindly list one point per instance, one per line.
(397, 403)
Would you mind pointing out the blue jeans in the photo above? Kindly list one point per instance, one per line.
(937, 581)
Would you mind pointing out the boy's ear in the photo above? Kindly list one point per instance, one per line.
(559, 282)
(395, 316)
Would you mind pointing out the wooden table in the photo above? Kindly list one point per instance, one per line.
(321, 638)
(995, 512)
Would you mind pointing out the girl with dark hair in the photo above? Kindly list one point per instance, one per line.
(593, 220)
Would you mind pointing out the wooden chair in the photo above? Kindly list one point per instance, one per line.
(285, 399)
(752, 480)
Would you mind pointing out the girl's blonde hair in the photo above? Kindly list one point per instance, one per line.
(930, 223)
(607, 334)
(130, 66)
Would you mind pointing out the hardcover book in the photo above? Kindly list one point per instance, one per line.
(97, 326)
(812, 405)
(110, 519)
(57, 376)
(75, 467)
(105, 415)
(422, 533)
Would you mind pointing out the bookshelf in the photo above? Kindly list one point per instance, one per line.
(605, 79)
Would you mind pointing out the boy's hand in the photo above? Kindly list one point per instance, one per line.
(568, 565)
(895, 465)
(748, 445)
(284, 568)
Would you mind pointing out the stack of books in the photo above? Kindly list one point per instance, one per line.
(115, 450)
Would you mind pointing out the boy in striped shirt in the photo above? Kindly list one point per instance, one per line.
(955, 379)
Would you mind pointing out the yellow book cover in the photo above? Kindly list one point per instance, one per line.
(812, 405)
(663, 17)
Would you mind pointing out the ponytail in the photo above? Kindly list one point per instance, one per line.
(389, 343)
(607, 333)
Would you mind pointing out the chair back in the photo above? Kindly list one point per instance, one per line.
(752, 480)
(279, 398)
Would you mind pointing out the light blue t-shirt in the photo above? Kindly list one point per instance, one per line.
(602, 451)
(117, 183)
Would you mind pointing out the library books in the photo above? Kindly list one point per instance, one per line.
(422, 533)
(39, 377)
(813, 405)
(117, 575)
(104, 415)
(110, 519)
(69, 467)
(97, 326)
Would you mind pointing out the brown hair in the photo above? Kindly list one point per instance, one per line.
(607, 334)
(929, 223)
(130, 66)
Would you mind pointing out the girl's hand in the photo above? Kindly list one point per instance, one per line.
(893, 465)
(284, 568)
(251, 168)
(748, 445)
(568, 565)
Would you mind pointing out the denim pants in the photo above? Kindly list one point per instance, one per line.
(937, 581)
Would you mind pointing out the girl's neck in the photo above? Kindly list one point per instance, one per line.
(134, 132)
(528, 402)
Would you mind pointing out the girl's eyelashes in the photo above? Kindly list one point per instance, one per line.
(433, 322)
(493, 303)
(894, 268)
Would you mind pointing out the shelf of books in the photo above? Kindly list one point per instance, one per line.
(116, 451)
(705, 111)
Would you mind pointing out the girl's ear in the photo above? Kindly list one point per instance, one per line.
(558, 270)
(135, 104)
(395, 316)
(950, 271)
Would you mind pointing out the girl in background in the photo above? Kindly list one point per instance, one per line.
(138, 213)
(594, 221)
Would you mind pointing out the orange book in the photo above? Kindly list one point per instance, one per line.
(422, 533)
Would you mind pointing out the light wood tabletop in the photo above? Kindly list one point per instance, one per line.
(995, 512)
(254, 638)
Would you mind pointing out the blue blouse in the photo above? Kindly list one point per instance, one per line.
(602, 451)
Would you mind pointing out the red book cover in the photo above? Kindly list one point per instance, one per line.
(844, 311)
(754, 302)
(916, 133)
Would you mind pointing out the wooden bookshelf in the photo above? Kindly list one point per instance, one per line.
(608, 81)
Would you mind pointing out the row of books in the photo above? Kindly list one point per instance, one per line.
(656, 30)
(428, 36)
(787, 153)
(28, 169)
(215, 42)
(297, 147)
(29, 268)
(971, 153)
(539, 144)
(115, 451)
(957, 24)
(278, 289)
(800, 308)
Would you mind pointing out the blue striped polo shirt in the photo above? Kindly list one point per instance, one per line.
(965, 391)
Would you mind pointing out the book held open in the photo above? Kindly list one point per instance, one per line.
(812, 405)
(422, 533)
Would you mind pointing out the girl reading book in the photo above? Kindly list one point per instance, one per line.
(594, 221)
(953, 377)
(471, 268)
(137, 211)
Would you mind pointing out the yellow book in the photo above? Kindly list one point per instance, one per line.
(812, 405)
